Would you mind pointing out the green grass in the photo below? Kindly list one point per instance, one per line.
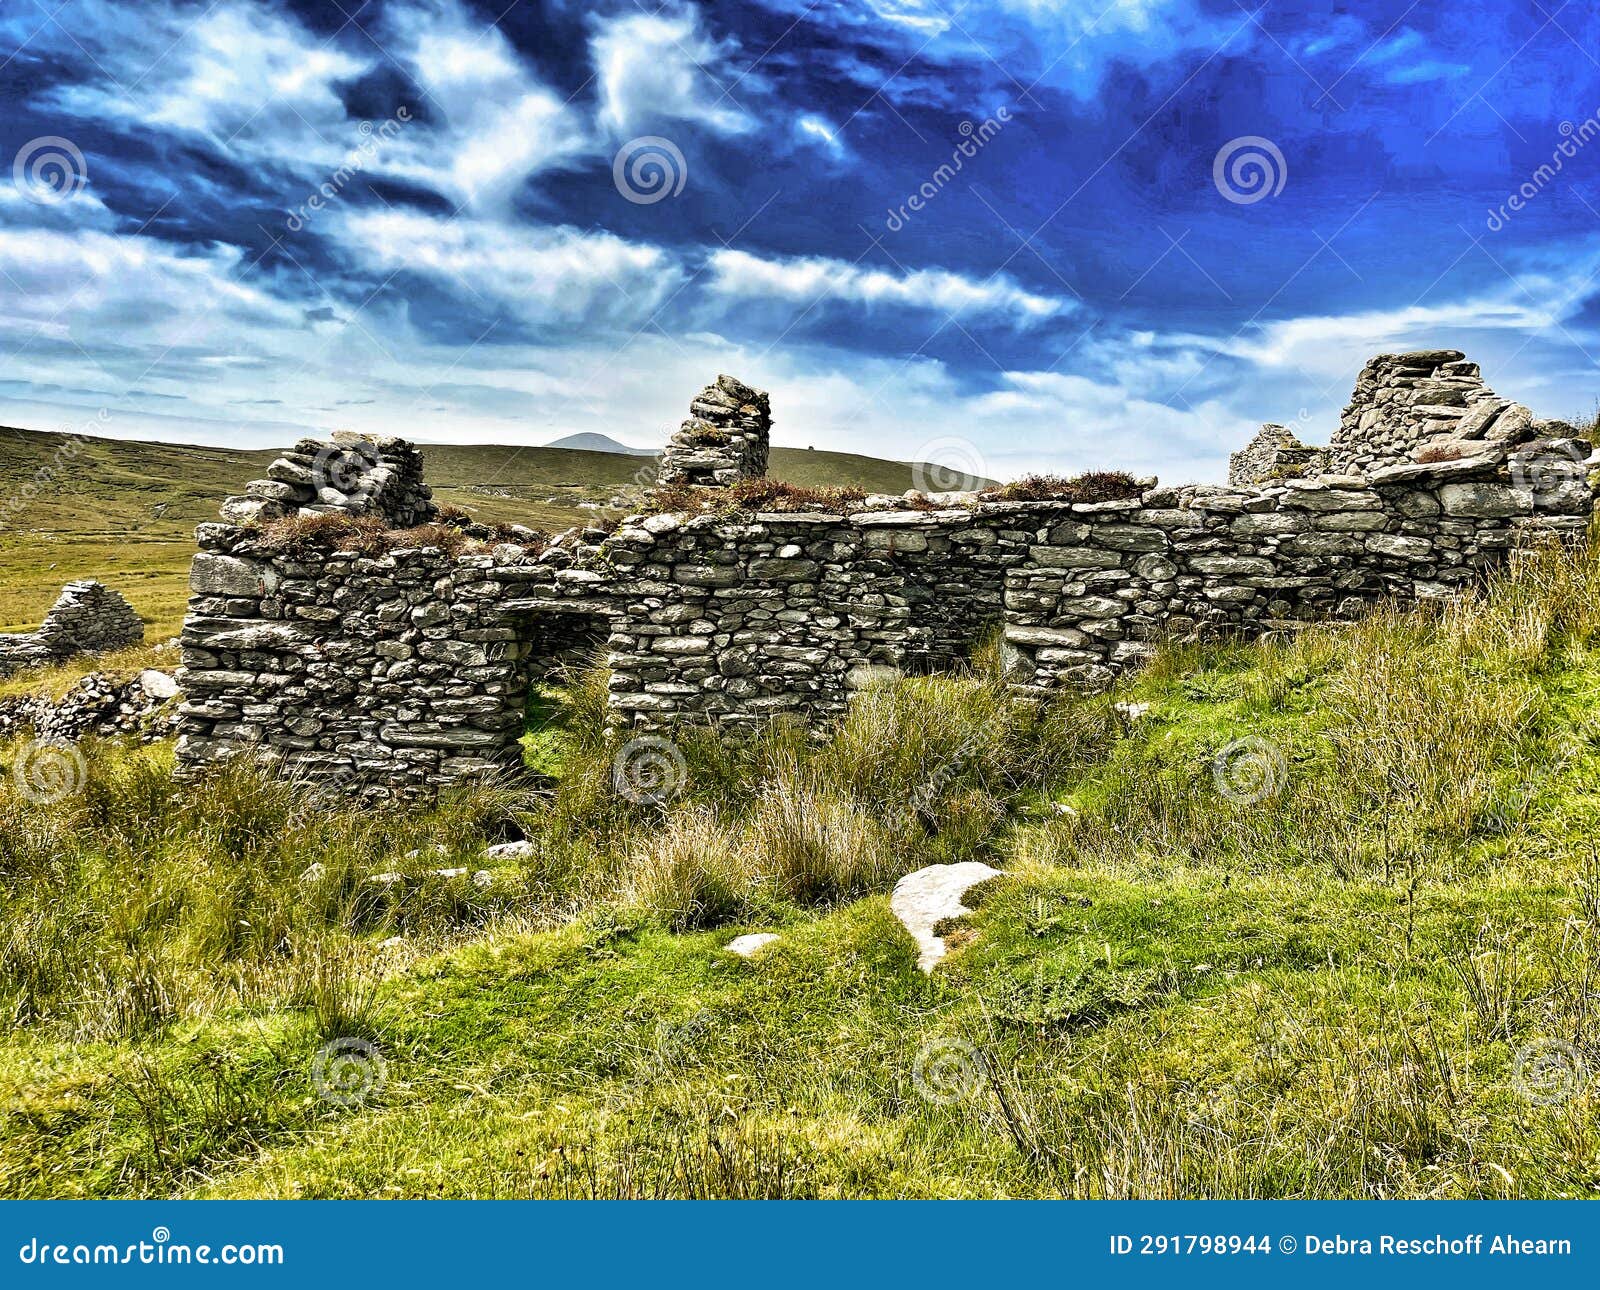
(1171, 992)
(125, 511)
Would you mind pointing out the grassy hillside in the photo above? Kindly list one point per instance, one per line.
(1353, 955)
(124, 511)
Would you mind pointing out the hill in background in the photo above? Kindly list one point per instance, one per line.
(125, 511)
(589, 442)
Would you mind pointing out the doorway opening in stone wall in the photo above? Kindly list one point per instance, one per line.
(973, 651)
(566, 678)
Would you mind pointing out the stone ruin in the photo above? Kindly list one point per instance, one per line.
(350, 474)
(394, 674)
(723, 441)
(1431, 405)
(87, 618)
(1427, 405)
(1275, 453)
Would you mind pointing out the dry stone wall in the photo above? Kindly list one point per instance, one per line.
(393, 675)
(1427, 403)
(98, 704)
(1274, 454)
(724, 439)
(350, 474)
(87, 618)
(1191, 563)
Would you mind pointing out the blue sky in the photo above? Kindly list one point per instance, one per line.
(1171, 219)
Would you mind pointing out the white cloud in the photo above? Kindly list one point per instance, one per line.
(257, 85)
(660, 67)
(499, 125)
(541, 275)
(816, 278)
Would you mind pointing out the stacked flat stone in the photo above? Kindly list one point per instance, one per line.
(400, 674)
(387, 676)
(1275, 453)
(724, 440)
(350, 474)
(1430, 402)
(87, 618)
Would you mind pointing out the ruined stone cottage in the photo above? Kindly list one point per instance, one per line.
(396, 673)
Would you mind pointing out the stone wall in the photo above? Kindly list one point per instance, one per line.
(724, 439)
(88, 618)
(399, 673)
(1428, 403)
(1275, 453)
(393, 674)
(1191, 563)
(350, 474)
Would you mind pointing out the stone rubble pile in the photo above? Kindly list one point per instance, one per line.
(99, 704)
(87, 618)
(351, 474)
(724, 440)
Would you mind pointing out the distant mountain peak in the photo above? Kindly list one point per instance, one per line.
(592, 442)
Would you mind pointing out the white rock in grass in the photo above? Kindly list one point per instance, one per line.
(482, 878)
(449, 873)
(385, 879)
(521, 850)
(157, 684)
(1131, 712)
(746, 946)
(924, 899)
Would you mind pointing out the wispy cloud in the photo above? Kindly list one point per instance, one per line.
(540, 276)
(656, 68)
(809, 279)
